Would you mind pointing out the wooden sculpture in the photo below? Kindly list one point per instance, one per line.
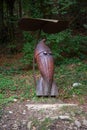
(46, 85)
(43, 55)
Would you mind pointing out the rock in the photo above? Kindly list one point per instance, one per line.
(24, 122)
(54, 117)
(70, 127)
(76, 84)
(34, 128)
(75, 128)
(15, 100)
(77, 123)
(64, 118)
(10, 112)
(4, 126)
(48, 106)
(29, 125)
(15, 127)
(28, 100)
(24, 112)
(85, 122)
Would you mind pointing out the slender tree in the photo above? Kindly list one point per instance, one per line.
(10, 6)
(1, 20)
(20, 8)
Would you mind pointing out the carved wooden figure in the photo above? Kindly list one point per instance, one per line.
(46, 85)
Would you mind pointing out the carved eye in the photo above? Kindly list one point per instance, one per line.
(45, 53)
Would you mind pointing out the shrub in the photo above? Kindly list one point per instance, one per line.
(63, 45)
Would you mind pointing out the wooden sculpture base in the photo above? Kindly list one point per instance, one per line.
(42, 89)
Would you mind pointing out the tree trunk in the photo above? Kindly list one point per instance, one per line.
(10, 5)
(20, 8)
(1, 20)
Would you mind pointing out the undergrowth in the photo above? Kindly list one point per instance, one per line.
(69, 73)
(63, 45)
(21, 85)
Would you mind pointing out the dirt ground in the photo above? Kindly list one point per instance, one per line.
(49, 114)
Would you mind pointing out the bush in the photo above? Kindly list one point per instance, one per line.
(63, 45)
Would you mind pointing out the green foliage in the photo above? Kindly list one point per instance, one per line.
(44, 125)
(10, 87)
(9, 71)
(64, 6)
(4, 100)
(65, 45)
(29, 92)
(68, 74)
(5, 83)
(48, 8)
(12, 47)
(28, 48)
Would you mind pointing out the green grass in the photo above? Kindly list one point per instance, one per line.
(41, 125)
(68, 74)
(16, 86)
(19, 84)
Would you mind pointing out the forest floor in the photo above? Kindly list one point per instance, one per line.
(22, 110)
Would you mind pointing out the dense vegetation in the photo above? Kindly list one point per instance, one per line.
(73, 41)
